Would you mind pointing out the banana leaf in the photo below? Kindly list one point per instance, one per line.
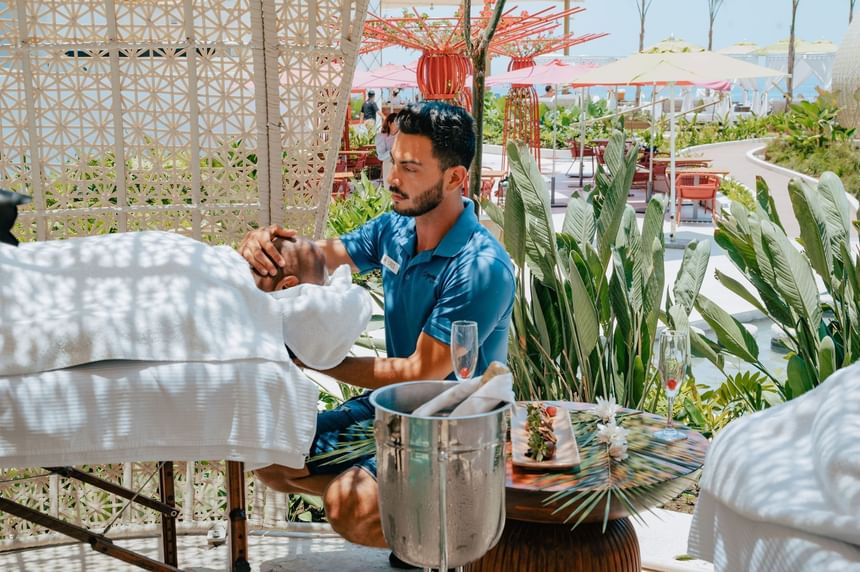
(618, 297)
(765, 201)
(692, 273)
(800, 377)
(740, 290)
(813, 228)
(702, 347)
(579, 220)
(762, 255)
(652, 296)
(585, 322)
(793, 275)
(547, 299)
(652, 227)
(514, 225)
(837, 213)
(540, 255)
(613, 194)
(731, 334)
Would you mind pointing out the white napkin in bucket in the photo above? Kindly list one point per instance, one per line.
(474, 396)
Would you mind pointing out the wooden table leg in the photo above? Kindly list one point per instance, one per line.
(238, 523)
(527, 546)
(168, 522)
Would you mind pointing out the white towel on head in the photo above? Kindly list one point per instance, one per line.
(321, 323)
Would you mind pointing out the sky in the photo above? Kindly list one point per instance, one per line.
(760, 21)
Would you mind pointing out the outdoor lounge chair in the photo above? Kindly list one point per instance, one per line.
(697, 188)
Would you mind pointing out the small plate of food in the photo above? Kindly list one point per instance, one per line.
(542, 437)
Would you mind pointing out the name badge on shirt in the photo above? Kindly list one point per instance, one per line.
(391, 264)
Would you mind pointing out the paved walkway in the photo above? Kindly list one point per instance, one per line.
(733, 158)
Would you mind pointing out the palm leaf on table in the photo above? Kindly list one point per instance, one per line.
(637, 483)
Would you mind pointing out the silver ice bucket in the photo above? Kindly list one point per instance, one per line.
(441, 480)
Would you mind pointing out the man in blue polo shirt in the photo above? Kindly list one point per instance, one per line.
(439, 265)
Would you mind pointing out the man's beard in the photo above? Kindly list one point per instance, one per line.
(424, 202)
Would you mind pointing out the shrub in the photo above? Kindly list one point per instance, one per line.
(738, 192)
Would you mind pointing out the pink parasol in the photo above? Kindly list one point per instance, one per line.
(553, 72)
(391, 75)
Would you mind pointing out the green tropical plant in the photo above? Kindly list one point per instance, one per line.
(814, 124)
(734, 190)
(588, 298)
(366, 202)
(361, 137)
(707, 409)
(822, 336)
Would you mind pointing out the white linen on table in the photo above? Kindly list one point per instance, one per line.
(153, 296)
(256, 411)
(796, 466)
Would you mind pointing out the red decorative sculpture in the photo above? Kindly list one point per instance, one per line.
(522, 107)
(443, 66)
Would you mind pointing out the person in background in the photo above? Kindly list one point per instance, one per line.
(369, 111)
(384, 143)
(394, 100)
(549, 91)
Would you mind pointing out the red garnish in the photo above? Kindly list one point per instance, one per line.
(464, 372)
(671, 384)
(551, 410)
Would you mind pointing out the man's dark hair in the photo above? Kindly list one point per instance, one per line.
(450, 128)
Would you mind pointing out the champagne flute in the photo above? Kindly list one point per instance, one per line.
(464, 348)
(673, 359)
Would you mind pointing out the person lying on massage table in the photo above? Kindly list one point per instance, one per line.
(160, 296)
(304, 263)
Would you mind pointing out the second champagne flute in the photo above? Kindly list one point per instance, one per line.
(674, 356)
(464, 348)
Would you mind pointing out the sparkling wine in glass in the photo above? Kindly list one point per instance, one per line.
(673, 359)
(464, 348)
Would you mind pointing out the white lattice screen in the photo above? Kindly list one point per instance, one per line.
(203, 117)
(200, 497)
(190, 115)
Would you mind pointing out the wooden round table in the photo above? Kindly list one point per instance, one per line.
(536, 539)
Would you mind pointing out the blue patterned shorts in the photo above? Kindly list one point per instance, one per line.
(339, 426)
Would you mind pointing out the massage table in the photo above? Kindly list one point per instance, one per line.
(250, 413)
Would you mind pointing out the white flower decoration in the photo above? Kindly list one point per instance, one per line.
(611, 433)
(618, 450)
(606, 408)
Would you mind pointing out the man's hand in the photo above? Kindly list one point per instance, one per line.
(259, 250)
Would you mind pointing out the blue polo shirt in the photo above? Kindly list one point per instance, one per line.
(468, 276)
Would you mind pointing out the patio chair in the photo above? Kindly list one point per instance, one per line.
(697, 188)
(359, 165)
(640, 180)
(587, 152)
(599, 150)
(487, 186)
